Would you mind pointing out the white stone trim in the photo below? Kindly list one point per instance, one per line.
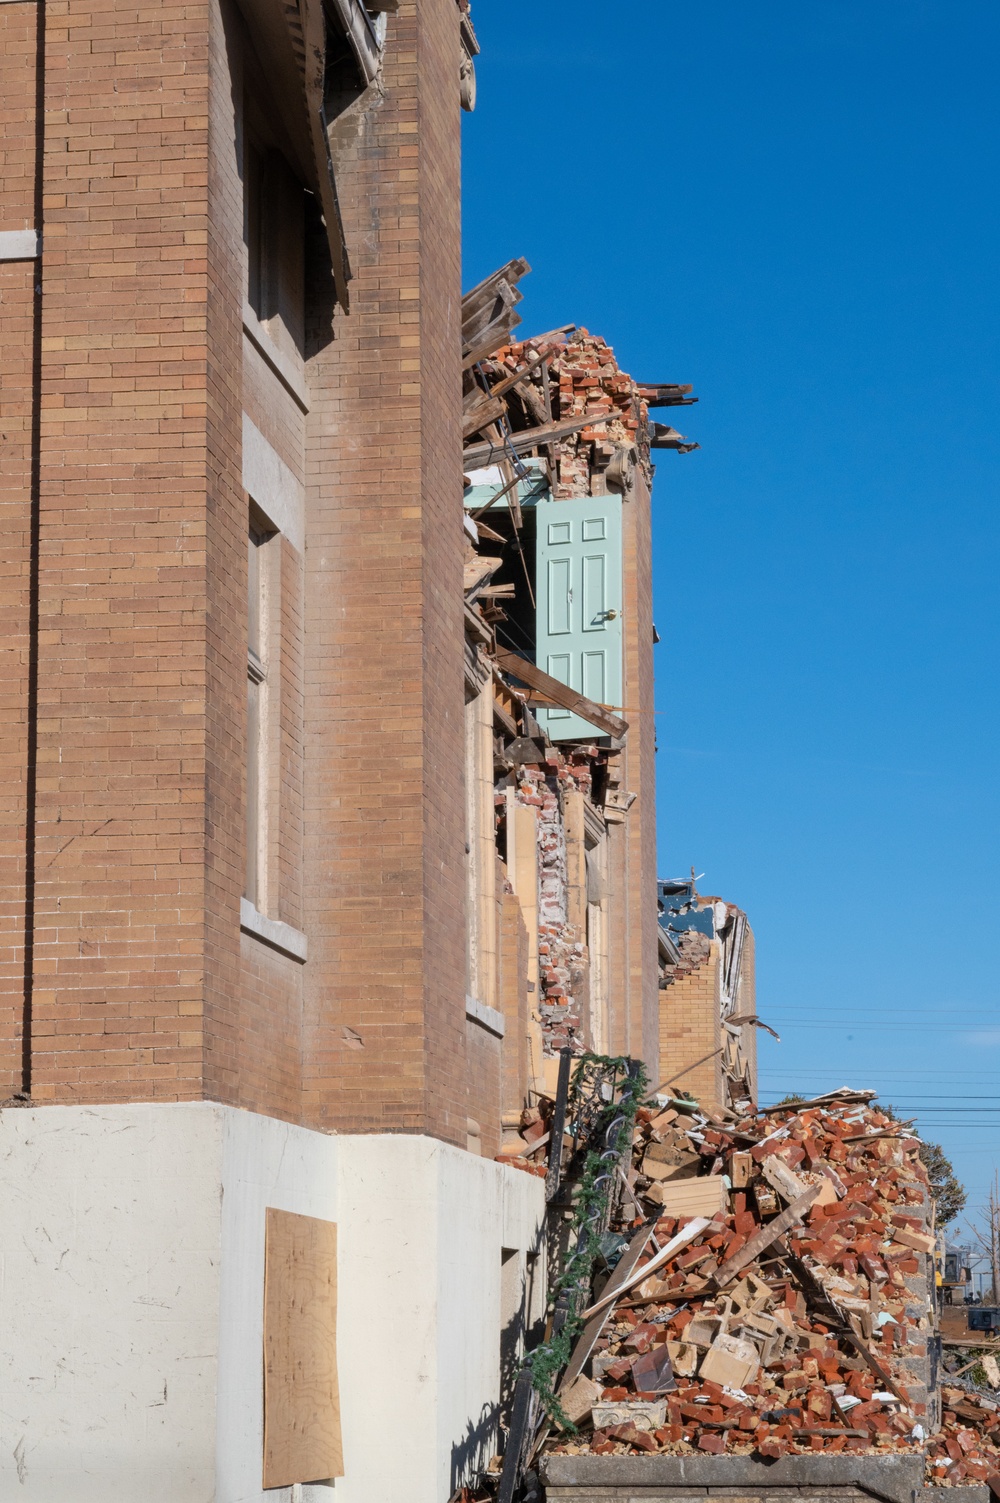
(273, 932)
(18, 245)
(490, 1018)
(281, 364)
(273, 487)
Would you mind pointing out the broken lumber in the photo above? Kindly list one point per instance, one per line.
(561, 694)
(536, 438)
(767, 1234)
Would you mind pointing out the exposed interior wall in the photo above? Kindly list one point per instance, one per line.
(690, 1029)
(513, 1001)
(747, 1003)
(481, 855)
(522, 873)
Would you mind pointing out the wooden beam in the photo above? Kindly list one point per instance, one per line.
(477, 299)
(762, 1239)
(477, 570)
(537, 438)
(832, 1098)
(620, 1276)
(492, 338)
(485, 412)
(670, 1250)
(560, 694)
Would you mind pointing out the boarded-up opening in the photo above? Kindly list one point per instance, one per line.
(302, 1441)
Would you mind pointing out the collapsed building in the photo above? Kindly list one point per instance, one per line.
(559, 681)
(327, 825)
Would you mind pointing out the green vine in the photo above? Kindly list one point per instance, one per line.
(547, 1361)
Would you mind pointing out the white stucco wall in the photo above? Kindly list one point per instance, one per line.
(109, 1303)
(131, 1299)
(422, 1227)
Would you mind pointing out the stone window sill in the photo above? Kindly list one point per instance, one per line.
(488, 1017)
(272, 932)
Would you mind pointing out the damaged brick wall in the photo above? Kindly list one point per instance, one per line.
(564, 960)
(712, 980)
(564, 378)
(689, 1019)
(18, 46)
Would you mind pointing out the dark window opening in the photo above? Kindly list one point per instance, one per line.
(274, 232)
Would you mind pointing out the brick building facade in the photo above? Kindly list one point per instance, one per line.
(265, 771)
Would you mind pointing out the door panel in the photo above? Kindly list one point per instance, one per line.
(560, 596)
(595, 676)
(558, 665)
(579, 617)
(595, 592)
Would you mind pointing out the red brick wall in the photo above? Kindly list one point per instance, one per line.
(640, 759)
(142, 652)
(227, 1027)
(484, 1064)
(747, 1003)
(634, 1007)
(269, 1044)
(121, 810)
(144, 988)
(18, 41)
(385, 837)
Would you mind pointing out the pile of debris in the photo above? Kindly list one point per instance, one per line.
(967, 1448)
(780, 1303)
(562, 395)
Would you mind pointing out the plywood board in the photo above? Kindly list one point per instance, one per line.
(302, 1439)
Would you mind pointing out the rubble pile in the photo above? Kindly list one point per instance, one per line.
(585, 381)
(967, 1449)
(783, 1301)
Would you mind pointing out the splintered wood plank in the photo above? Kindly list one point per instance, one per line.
(302, 1438)
(560, 693)
(768, 1233)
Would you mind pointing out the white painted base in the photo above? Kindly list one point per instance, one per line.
(132, 1241)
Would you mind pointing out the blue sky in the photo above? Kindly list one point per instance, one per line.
(795, 208)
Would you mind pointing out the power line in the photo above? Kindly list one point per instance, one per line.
(876, 1022)
(918, 1012)
(915, 1100)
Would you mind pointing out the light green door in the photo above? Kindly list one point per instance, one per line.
(579, 620)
